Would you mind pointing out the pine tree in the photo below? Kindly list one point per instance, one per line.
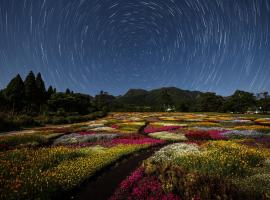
(68, 91)
(41, 90)
(49, 92)
(31, 90)
(3, 102)
(15, 92)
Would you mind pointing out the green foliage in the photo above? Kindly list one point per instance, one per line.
(70, 103)
(50, 92)
(29, 100)
(104, 101)
(68, 91)
(264, 104)
(15, 122)
(157, 100)
(31, 89)
(3, 101)
(6, 124)
(15, 92)
(209, 102)
(240, 102)
(41, 90)
(12, 141)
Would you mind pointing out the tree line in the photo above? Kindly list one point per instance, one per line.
(28, 102)
(31, 97)
(239, 102)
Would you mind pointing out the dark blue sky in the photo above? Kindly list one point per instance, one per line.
(114, 45)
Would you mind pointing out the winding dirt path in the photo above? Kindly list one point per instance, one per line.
(103, 186)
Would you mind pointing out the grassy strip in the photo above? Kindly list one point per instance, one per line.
(11, 123)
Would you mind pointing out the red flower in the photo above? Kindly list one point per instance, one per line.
(206, 135)
(140, 187)
(114, 126)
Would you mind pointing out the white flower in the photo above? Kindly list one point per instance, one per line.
(171, 152)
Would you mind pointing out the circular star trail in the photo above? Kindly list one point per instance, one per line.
(114, 45)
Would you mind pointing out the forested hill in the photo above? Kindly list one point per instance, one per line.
(158, 97)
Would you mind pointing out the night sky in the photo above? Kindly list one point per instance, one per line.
(115, 45)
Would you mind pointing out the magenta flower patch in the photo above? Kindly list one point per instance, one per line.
(138, 186)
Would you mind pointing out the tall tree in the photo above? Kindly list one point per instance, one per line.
(2, 101)
(41, 90)
(15, 92)
(50, 92)
(103, 101)
(209, 102)
(31, 90)
(68, 91)
(264, 105)
(240, 102)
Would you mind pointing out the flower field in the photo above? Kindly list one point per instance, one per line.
(213, 156)
(206, 156)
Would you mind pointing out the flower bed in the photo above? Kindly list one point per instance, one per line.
(123, 141)
(19, 141)
(76, 138)
(206, 135)
(151, 129)
(189, 171)
(254, 127)
(141, 187)
(263, 121)
(233, 167)
(43, 173)
(164, 135)
(243, 134)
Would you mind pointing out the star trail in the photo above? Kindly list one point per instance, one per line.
(115, 45)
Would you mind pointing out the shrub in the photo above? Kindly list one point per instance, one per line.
(11, 141)
(5, 124)
(59, 120)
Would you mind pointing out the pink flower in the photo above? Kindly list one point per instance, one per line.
(114, 126)
(137, 141)
(206, 135)
(217, 135)
(138, 186)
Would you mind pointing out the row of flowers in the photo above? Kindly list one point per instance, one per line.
(138, 186)
(45, 172)
(121, 141)
(215, 170)
(78, 138)
(185, 170)
(204, 135)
